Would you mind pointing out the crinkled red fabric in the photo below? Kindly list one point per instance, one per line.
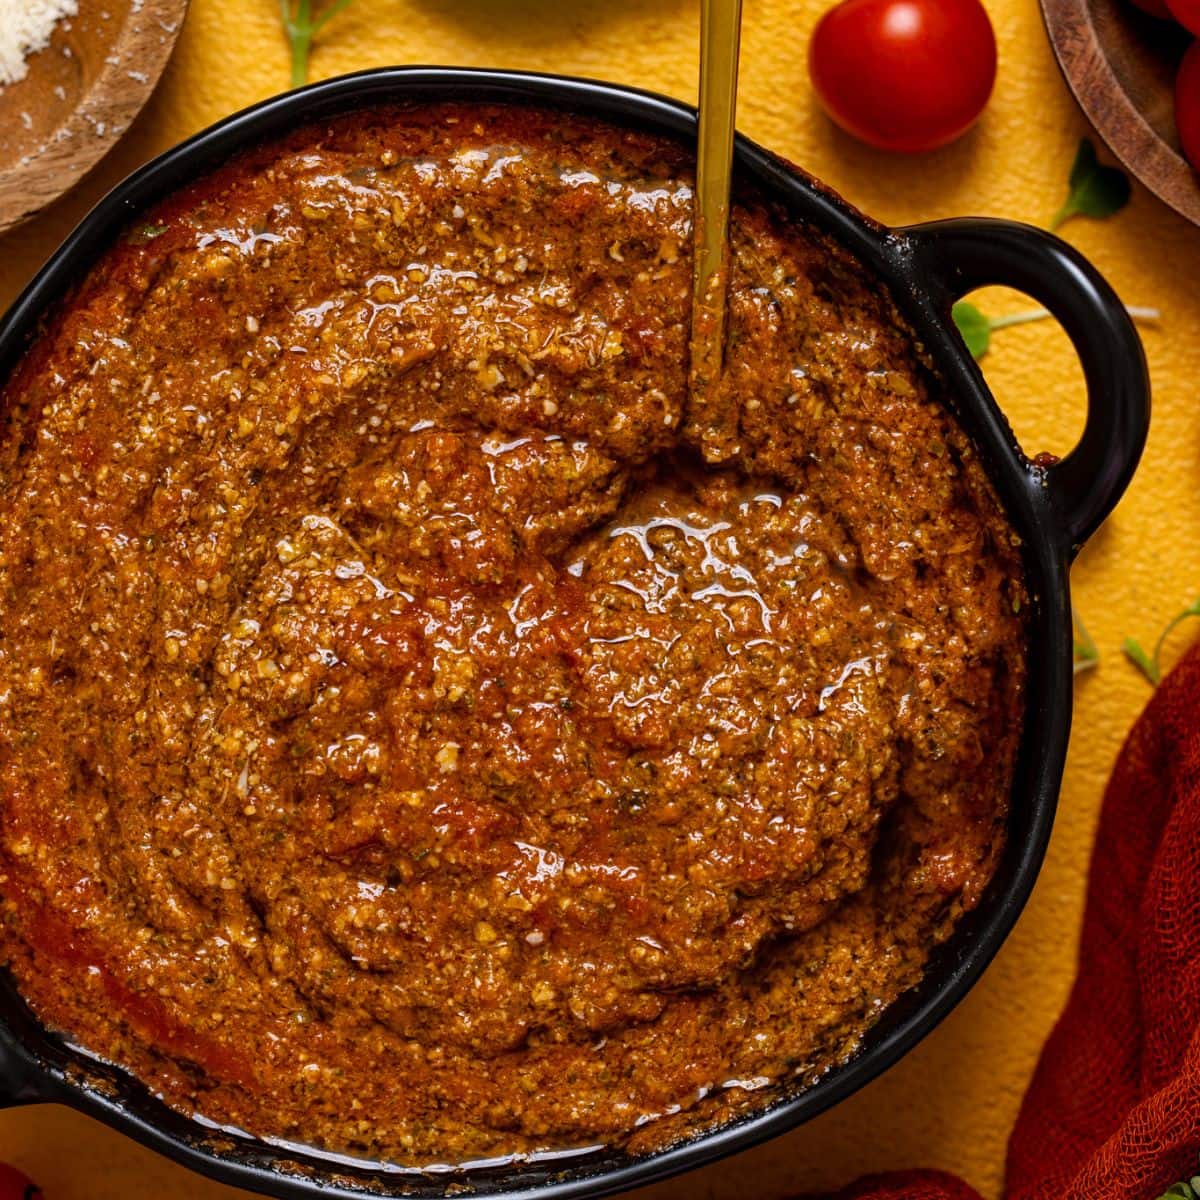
(1113, 1112)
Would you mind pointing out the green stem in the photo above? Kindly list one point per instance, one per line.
(301, 49)
(1021, 318)
(1171, 626)
(332, 11)
(298, 30)
(1138, 313)
(1133, 651)
(301, 28)
(1087, 653)
(1065, 213)
(1151, 664)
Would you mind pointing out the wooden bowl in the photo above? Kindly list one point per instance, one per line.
(80, 95)
(1121, 64)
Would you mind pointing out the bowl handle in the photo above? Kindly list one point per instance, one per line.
(958, 256)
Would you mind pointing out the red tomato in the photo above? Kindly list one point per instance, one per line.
(1187, 104)
(1187, 13)
(904, 74)
(15, 1186)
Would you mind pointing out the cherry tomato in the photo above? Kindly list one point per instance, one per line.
(1187, 13)
(904, 75)
(15, 1186)
(1187, 104)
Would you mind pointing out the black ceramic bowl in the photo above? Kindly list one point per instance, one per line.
(1053, 507)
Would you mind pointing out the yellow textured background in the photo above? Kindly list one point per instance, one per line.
(952, 1101)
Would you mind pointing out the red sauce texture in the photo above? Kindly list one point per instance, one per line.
(420, 735)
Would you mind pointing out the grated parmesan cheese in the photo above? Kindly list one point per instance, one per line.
(25, 28)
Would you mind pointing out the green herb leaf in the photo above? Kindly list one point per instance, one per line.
(1140, 659)
(300, 26)
(1094, 190)
(1151, 664)
(1178, 1191)
(145, 233)
(975, 328)
(1086, 652)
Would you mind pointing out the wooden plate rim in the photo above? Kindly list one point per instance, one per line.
(146, 41)
(1089, 75)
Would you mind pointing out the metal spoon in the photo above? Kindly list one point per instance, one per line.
(710, 418)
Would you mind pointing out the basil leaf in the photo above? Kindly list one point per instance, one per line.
(1094, 190)
(975, 328)
(1178, 1191)
(145, 233)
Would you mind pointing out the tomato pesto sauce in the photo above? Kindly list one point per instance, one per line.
(408, 743)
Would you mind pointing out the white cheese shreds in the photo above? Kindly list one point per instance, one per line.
(25, 28)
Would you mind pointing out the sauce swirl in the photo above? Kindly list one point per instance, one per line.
(408, 743)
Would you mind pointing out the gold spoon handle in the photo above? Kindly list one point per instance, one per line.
(720, 31)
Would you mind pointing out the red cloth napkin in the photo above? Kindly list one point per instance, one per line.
(1113, 1112)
